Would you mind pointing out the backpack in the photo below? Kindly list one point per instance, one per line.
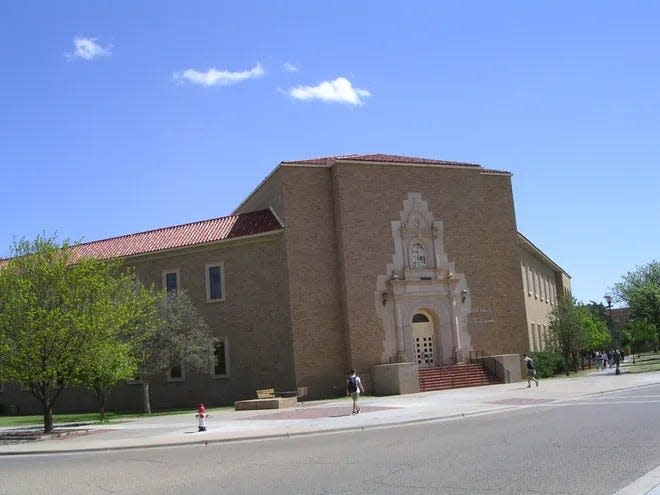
(530, 364)
(351, 384)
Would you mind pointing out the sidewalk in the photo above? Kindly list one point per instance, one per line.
(330, 415)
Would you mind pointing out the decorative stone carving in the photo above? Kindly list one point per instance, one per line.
(413, 286)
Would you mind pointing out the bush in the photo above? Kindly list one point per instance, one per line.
(548, 363)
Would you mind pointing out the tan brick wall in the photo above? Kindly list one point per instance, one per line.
(254, 318)
(316, 295)
(480, 237)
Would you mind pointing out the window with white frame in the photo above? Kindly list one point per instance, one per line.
(215, 282)
(220, 361)
(176, 374)
(171, 280)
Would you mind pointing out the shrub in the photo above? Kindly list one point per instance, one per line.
(548, 363)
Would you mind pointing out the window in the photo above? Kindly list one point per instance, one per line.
(220, 366)
(175, 374)
(417, 256)
(215, 282)
(536, 290)
(529, 284)
(171, 280)
(420, 318)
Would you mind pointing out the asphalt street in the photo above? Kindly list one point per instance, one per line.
(589, 444)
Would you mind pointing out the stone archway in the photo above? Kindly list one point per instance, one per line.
(424, 341)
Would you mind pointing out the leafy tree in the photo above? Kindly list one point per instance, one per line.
(640, 289)
(567, 334)
(179, 337)
(56, 313)
(642, 332)
(594, 325)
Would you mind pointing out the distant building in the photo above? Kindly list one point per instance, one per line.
(358, 261)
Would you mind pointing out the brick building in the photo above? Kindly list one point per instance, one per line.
(359, 261)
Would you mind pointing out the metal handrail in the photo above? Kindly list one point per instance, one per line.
(487, 360)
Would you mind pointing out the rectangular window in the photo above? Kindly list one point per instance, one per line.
(220, 359)
(171, 280)
(536, 289)
(175, 374)
(529, 284)
(215, 282)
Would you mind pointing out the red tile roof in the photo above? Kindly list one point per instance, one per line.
(180, 236)
(380, 158)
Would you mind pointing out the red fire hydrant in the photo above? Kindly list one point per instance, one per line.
(201, 417)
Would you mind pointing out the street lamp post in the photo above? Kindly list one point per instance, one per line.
(617, 359)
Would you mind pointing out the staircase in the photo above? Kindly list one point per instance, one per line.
(455, 376)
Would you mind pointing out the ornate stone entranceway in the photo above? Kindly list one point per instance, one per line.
(421, 281)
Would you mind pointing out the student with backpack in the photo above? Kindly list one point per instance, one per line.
(353, 388)
(531, 371)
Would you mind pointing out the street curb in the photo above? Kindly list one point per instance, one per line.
(267, 437)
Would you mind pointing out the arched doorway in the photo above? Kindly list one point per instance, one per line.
(423, 339)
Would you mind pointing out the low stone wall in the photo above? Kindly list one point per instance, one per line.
(508, 370)
(395, 379)
(274, 403)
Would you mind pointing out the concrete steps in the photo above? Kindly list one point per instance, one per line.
(455, 376)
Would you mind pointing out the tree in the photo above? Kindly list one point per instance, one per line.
(642, 332)
(640, 289)
(599, 326)
(567, 334)
(56, 313)
(179, 337)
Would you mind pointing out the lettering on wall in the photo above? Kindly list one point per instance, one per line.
(481, 315)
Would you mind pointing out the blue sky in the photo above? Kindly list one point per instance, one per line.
(120, 117)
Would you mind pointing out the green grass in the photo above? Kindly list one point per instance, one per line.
(92, 418)
(643, 364)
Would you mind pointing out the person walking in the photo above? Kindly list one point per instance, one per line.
(353, 388)
(531, 370)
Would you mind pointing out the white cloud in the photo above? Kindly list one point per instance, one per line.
(290, 67)
(88, 49)
(214, 77)
(340, 90)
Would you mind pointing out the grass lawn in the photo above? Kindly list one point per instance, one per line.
(90, 418)
(644, 363)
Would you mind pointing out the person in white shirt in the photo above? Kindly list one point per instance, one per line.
(531, 370)
(353, 388)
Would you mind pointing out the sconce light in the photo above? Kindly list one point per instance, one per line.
(464, 294)
(384, 297)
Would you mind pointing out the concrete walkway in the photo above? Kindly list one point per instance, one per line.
(331, 415)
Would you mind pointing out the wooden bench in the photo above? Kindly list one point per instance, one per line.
(266, 393)
(267, 398)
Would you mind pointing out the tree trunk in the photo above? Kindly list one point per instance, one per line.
(48, 416)
(147, 404)
(102, 397)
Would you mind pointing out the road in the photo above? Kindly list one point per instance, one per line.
(583, 446)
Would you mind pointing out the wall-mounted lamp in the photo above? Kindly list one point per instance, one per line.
(384, 297)
(464, 294)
